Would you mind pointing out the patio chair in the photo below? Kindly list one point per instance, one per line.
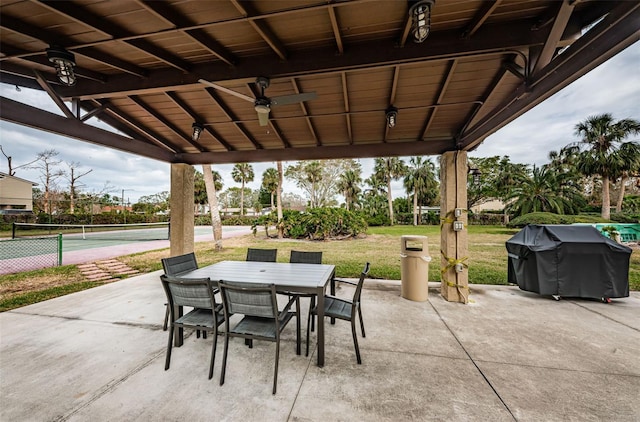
(301, 257)
(262, 255)
(346, 310)
(206, 315)
(262, 320)
(177, 265)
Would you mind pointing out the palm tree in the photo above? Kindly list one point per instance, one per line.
(349, 184)
(600, 150)
(420, 177)
(270, 182)
(544, 191)
(630, 161)
(389, 169)
(242, 173)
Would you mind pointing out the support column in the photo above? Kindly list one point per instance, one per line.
(181, 202)
(453, 244)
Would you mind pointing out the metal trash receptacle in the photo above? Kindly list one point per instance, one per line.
(414, 254)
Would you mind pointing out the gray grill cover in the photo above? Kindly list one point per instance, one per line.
(570, 261)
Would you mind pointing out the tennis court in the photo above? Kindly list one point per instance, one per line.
(16, 257)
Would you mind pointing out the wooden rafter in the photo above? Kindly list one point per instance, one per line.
(556, 29)
(53, 95)
(336, 29)
(261, 27)
(232, 117)
(303, 107)
(488, 7)
(345, 95)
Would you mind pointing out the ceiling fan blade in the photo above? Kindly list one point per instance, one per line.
(263, 118)
(294, 98)
(227, 90)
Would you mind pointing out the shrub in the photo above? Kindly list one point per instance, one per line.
(550, 218)
(317, 223)
(486, 219)
(620, 217)
(378, 220)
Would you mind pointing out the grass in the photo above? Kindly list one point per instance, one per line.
(487, 260)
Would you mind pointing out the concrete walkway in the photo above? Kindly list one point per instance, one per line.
(98, 355)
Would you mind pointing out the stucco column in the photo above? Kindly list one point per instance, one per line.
(454, 244)
(181, 202)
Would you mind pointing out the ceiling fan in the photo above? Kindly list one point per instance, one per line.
(263, 104)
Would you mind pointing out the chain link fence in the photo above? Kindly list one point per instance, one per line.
(31, 253)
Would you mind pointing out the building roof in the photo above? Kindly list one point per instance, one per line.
(6, 175)
(140, 63)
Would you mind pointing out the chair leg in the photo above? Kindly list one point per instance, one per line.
(361, 322)
(224, 358)
(355, 340)
(168, 360)
(204, 335)
(213, 354)
(166, 317)
(275, 372)
(298, 352)
(308, 325)
(313, 320)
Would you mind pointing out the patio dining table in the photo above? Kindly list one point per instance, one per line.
(287, 277)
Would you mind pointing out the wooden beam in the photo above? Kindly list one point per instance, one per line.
(345, 95)
(231, 116)
(98, 56)
(487, 8)
(390, 149)
(564, 10)
(52, 94)
(25, 115)
(336, 29)
(261, 27)
(617, 31)
(303, 106)
(112, 30)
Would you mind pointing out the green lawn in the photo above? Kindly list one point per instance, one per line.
(487, 260)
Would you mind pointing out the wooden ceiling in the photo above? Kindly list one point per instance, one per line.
(139, 62)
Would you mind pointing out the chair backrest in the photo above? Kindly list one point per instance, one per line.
(196, 292)
(299, 257)
(250, 299)
(176, 265)
(262, 255)
(363, 275)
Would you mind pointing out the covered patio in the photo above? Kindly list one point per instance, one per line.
(194, 82)
(509, 355)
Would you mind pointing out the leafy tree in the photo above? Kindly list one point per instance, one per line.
(498, 175)
(374, 200)
(242, 173)
(319, 179)
(389, 169)
(602, 151)
(349, 184)
(270, 182)
(420, 182)
(630, 165)
(544, 190)
(200, 188)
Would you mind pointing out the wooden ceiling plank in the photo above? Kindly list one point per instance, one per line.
(336, 29)
(229, 114)
(189, 112)
(378, 54)
(345, 94)
(22, 114)
(303, 106)
(138, 127)
(84, 17)
(483, 13)
(146, 107)
(175, 18)
(109, 60)
(278, 132)
(261, 27)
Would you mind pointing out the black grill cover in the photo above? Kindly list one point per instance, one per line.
(570, 261)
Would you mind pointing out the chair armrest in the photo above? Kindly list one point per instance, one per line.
(353, 283)
(337, 299)
(286, 308)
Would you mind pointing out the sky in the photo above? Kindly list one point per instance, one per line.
(613, 87)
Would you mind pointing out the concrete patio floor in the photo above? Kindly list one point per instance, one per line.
(511, 355)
